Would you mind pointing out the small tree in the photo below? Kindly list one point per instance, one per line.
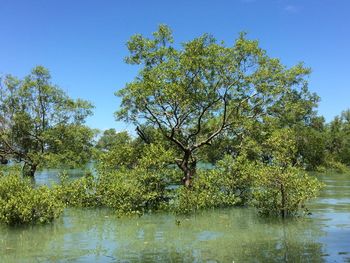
(38, 120)
(280, 187)
(203, 89)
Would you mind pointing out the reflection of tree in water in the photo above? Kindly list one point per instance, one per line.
(26, 242)
(223, 237)
(296, 243)
(214, 236)
(285, 242)
(74, 236)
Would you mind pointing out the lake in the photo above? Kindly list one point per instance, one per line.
(221, 235)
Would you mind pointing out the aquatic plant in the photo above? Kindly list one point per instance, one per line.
(210, 189)
(20, 203)
(79, 192)
(283, 191)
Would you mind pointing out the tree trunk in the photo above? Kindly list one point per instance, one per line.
(188, 166)
(187, 180)
(3, 160)
(283, 196)
(29, 169)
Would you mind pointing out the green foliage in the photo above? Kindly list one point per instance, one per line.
(117, 150)
(281, 188)
(127, 191)
(274, 188)
(9, 169)
(112, 140)
(202, 89)
(333, 165)
(311, 147)
(293, 111)
(283, 191)
(142, 188)
(40, 125)
(239, 174)
(108, 139)
(128, 153)
(280, 147)
(228, 184)
(20, 203)
(132, 191)
(70, 146)
(80, 192)
(338, 140)
(210, 189)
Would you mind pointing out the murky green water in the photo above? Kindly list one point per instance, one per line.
(225, 235)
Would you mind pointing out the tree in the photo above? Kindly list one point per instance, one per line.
(38, 119)
(280, 187)
(109, 138)
(70, 145)
(204, 89)
(117, 150)
(338, 141)
(295, 110)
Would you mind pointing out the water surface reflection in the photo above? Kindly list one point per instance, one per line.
(223, 235)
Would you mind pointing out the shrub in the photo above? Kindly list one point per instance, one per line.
(22, 204)
(210, 189)
(126, 191)
(133, 191)
(79, 192)
(280, 188)
(283, 191)
(6, 169)
(239, 176)
(336, 166)
(141, 189)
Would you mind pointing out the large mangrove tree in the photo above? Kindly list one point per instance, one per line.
(199, 90)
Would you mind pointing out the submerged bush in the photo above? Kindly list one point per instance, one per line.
(275, 188)
(210, 189)
(125, 191)
(228, 184)
(283, 191)
(79, 192)
(20, 203)
(6, 169)
(280, 187)
(133, 191)
(239, 174)
(141, 189)
(336, 166)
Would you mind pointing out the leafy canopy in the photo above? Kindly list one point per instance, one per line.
(39, 120)
(203, 89)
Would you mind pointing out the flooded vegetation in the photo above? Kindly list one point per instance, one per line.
(219, 235)
(225, 159)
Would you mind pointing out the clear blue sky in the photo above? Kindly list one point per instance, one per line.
(82, 43)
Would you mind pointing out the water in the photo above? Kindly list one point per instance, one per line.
(224, 235)
(51, 176)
